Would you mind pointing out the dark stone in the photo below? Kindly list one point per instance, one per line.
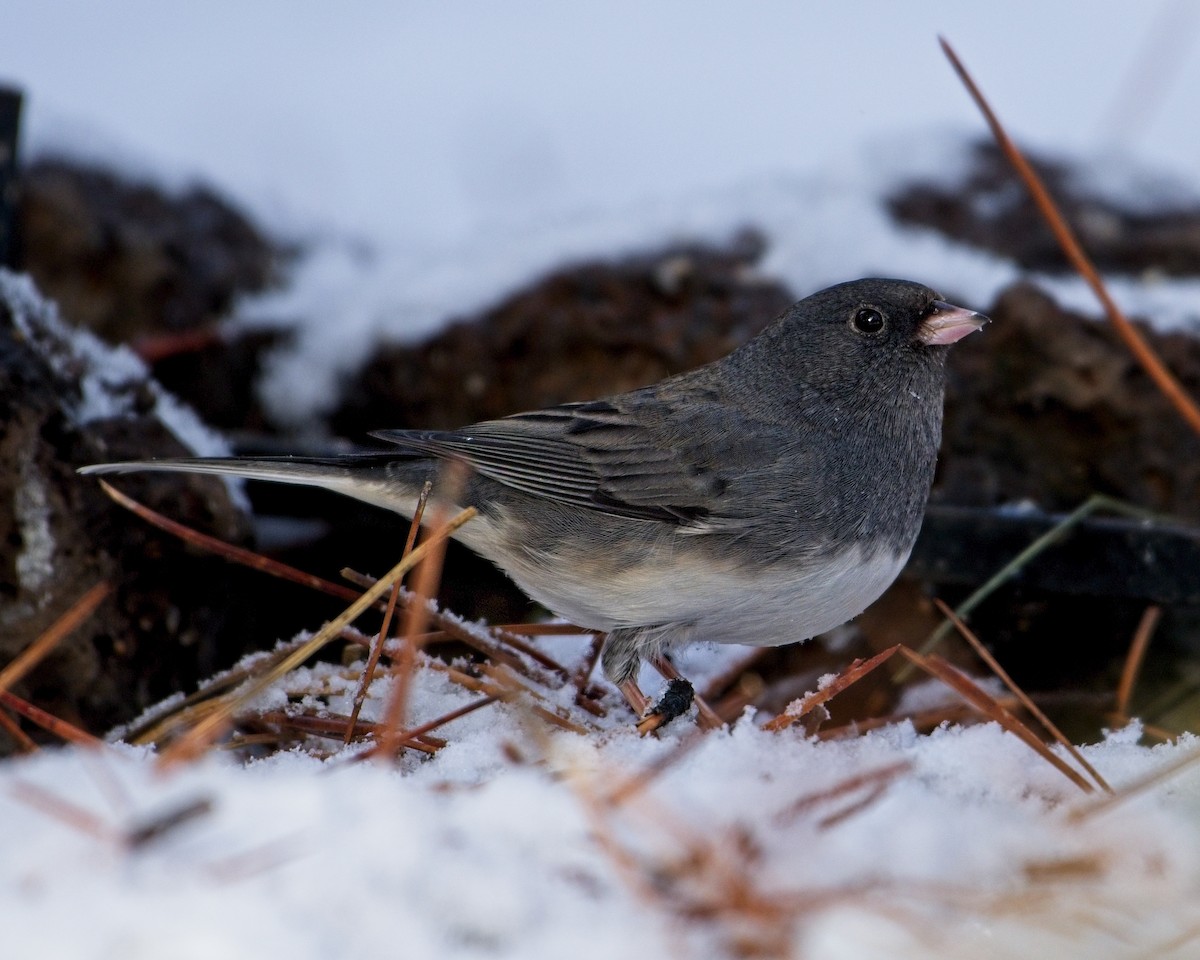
(129, 261)
(991, 209)
(1047, 405)
(166, 623)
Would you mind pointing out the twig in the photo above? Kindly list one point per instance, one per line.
(247, 558)
(1018, 563)
(1133, 661)
(1134, 341)
(990, 707)
(47, 721)
(368, 674)
(1140, 785)
(797, 709)
(986, 655)
(53, 635)
(200, 735)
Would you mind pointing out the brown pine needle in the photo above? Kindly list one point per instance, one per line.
(990, 707)
(23, 741)
(1123, 793)
(454, 629)
(1141, 350)
(368, 674)
(1133, 661)
(797, 709)
(196, 739)
(994, 665)
(247, 558)
(53, 635)
(404, 666)
(853, 784)
(47, 721)
(64, 811)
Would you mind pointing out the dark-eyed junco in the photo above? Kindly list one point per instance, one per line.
(761, 499)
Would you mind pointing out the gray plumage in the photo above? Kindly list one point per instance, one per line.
(760, 499)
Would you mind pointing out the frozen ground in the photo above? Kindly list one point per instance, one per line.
(506, 845)
(432, 159)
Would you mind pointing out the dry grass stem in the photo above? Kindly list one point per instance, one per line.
(47, 721)
(455, 630)
(368, 673)
(851, 785)
(1133, 661)
(416, 616)
(53, 635)
(1142, 784)
(990, 707)
(1137, 345)
(198, 737)
(247, 558)
(24, 743)
(798, 709)
(64, 811)
(994, 665)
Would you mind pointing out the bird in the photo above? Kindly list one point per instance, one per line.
(763, 498)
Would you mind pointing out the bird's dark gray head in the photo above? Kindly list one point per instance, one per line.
(862, 346)
(862, 320)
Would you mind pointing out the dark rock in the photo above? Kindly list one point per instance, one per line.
(127, 260)
(1048, 406)
(165, 624)
(991, 209)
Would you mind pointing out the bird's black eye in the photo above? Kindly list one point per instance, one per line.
(868, 321)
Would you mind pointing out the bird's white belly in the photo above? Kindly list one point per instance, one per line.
(699, 598)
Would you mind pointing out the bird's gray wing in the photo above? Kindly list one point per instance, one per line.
(637, 462)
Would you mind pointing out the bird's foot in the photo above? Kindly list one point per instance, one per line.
(675, 701)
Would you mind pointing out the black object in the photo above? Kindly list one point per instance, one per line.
(10, 121)
(675, 700)
(1100, 556)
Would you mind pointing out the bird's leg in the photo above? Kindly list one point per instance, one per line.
(634, 697)
(620, 659)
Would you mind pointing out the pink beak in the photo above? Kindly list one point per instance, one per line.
(945, 323)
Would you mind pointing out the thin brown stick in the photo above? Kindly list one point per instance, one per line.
(1124, 792)
(247, 558)
(53, 635)
(368, 674)
(990, 707)
(23, 741)
(64, 811)
(583, 675)
(198, 737)
(416, 615)
(47, 721)
(797, 709)
(1134, 341)
(453, 628)
(852, 784)
(1133, 660)
(994, 665)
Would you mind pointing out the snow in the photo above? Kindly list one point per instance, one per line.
(111, 379)
(432, 159)
(973, 847)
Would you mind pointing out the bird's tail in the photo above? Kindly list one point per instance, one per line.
(386, 480)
